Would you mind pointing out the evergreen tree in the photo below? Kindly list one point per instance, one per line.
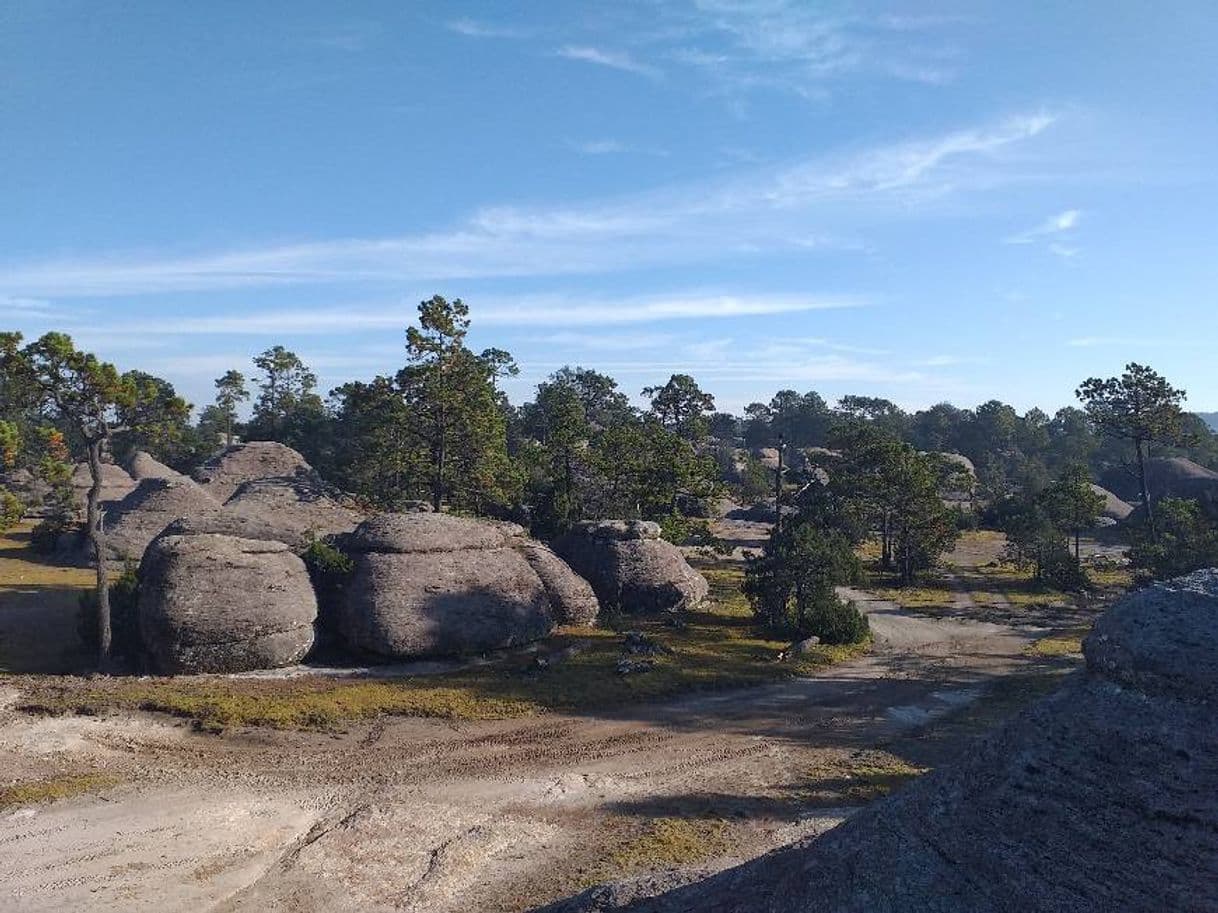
(230, 393)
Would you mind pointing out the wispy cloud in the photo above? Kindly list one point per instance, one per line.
(473, 28)
(18, 306)
(752, 214)
(546, 311)
(1053, 226)
(598, 146)
(616, 60)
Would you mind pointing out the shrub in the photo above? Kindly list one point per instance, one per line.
(329, 569)
(11, 510)
(45, 536)
(837, 622)
(124, 617)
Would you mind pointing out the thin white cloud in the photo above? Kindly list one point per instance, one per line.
(554, 311)
(473, 28)
(598, 147)
(14, 306)
(948, 361)
(616, 60)
(1053, 226)
(760, 211)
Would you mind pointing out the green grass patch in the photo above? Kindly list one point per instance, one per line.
(52, 789)
(1061, 644)
(717, 647)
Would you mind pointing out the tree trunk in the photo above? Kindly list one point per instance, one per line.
(437, 482)
(1140, 447)
(93, 522)
(778, 487)
(1076, 549)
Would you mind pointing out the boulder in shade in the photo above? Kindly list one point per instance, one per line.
(572, 599)
(212, 603)
(630, 567)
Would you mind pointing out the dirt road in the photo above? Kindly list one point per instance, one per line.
(420, 815)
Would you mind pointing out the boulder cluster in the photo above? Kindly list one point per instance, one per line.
(1102, 796)
(224, 587)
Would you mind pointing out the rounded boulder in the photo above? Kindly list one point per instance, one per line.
(214, 603)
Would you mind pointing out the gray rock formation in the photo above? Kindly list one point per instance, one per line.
(137, 519)
(429, 584)
(1114, 508)
(116, 484)
(296, 506)
(212, 603)
(1101, 797)
(572, 600)
(631, 567)
(142, 465)
(224, 473)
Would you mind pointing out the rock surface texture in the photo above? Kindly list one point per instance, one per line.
(143, 465)
(436, 585)
(116, 484)
(295, 505)
(213, 603)
(1103, 796)
(631, 567)
(133, 522)
(224, 473)
(1114, 508)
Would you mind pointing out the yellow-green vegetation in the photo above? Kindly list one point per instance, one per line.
(664, 843)
(1110, 577)
(21, 569)
(1067, 643)
(717, 647)
(52, 789)
(916, 597)
(858, 780)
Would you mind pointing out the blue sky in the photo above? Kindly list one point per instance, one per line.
(921, 201)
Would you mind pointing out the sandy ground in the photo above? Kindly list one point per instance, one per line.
(419, 815)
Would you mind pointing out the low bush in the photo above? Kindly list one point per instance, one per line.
(44, 538)
(330, 570)
(11, 510)
(837, 622)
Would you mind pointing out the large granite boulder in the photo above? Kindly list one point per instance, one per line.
(213, 603)
(295, 505)
(434, 585)
(1102, 796)
(572, 600)
(631, 567)
(224, 473)
(133, 522)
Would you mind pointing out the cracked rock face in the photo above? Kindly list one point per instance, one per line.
(223, 474)
(1102, 796)
(215, 603)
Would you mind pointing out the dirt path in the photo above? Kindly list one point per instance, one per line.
(406, 814)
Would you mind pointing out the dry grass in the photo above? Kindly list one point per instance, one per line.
(660, 843)
(867, 776)
(53, 789)
(718, 647)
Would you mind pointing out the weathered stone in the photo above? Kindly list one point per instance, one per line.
(428, 603)
(295, 506)
(1102, 796)
(133, 522)
(572, 599)
(1114, 508)
(211, 603)
(116, 484)
(224, 473)
(630, 572)
(423, 532)
(143, 465)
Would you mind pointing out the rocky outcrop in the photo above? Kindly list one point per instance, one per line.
(631, 567)
(1103, 796)
(133, 522)
(434, 585)
(224, 473)
(213, 603)
(143, 465)
(1114, 508)
(296, 506)
(116, 484)
(572, 600)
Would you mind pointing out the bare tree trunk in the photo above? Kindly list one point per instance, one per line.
(93, 522)
(1140, 447)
